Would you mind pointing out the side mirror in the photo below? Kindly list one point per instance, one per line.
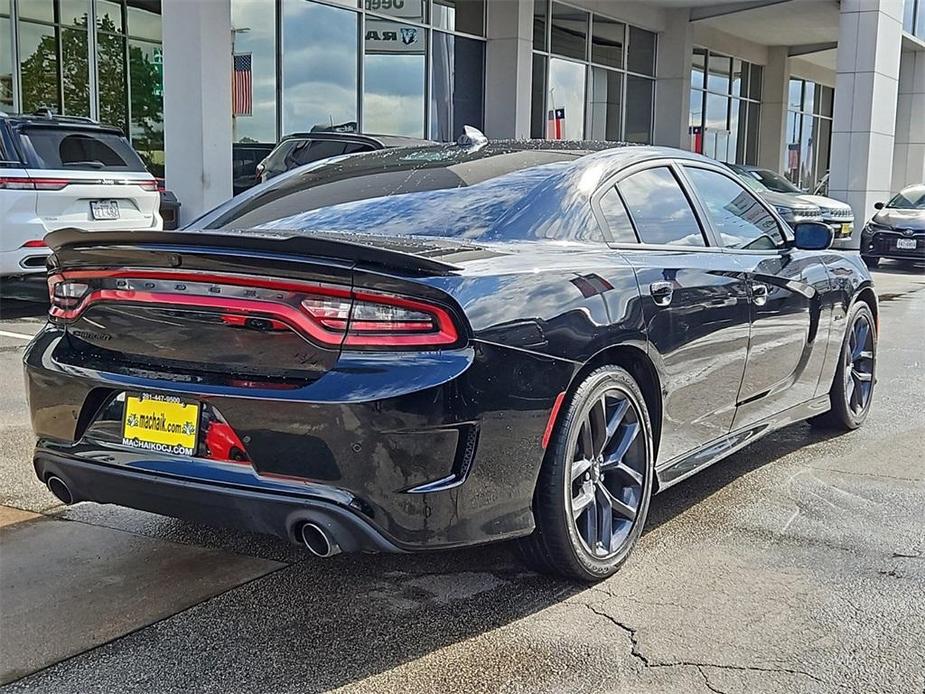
(878, 205)
(812, 236)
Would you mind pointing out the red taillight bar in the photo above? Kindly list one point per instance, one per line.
(329, 332)
(31, 183)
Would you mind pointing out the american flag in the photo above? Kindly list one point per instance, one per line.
(241, 86)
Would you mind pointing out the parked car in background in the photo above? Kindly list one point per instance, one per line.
(793, 211)
(897, 230)
(447, 345)
(299, 149)
(60, 172)
(245, 158)
(836, 214)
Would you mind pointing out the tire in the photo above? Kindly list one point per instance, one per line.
(852, 389)
(598, 453)
(871, 261)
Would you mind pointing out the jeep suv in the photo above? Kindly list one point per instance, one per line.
(58, 172)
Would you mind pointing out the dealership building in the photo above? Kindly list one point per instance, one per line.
(803, 87)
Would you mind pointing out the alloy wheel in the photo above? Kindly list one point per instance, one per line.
(607, 474)
(859, 365)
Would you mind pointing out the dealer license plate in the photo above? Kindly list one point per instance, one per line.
(160, 423)
(104, 209)
(905, 244)
(846, 229)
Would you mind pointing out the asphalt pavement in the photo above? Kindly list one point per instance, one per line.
(796, 565)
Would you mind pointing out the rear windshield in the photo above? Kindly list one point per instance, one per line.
(427, 191)
(61, 148)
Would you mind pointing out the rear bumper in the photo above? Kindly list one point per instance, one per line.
(430, 450)
(272, 514)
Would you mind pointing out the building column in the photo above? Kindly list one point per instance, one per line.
(775, 89)
(869, 41)
(673, 81)
(909, 148)
(197, 103)
(509, 69)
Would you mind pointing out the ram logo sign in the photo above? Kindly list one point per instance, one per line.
(387, 37)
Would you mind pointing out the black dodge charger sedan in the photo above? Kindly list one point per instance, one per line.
(446, 345)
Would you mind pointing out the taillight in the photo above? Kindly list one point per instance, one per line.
(65, 296)
(26, 183)
(149, 185)
(326, 314)
(361, 319)
(35, 243)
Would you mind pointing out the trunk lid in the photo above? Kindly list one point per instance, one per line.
(236, 304)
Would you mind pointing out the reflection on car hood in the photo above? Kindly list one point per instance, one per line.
(900, 219)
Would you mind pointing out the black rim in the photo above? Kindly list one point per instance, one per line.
(859, 366)
(608, 474)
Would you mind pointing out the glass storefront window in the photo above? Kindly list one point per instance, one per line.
(393, 89)
(725, 108)
(565, 100)
(466, 16)
(6, 64)
(641, 51)
(74, 12)
(539, 25)
(109, 15)
(608, 38)
(146, 102)
(593, 95)
(38, 51)
(144, 19)
(569, 32)
(75, 72)
(809, 131)
(538, 98)
(640, 94)
(457, 69)
(410, 10)
(41, 10)
(111, 78)
(319, 71)
(606, 104)
(254, 34)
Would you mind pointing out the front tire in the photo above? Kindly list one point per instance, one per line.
(593, 492)
(871, 261)
(852, 390)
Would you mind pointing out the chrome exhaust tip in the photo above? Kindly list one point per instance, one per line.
(317, 540)
(62, 492)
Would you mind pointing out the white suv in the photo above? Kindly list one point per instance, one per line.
(58, 172)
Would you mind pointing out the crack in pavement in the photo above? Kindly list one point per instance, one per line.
(706, 681)
(641, 657)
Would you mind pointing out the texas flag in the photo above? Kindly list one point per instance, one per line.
(555, 124)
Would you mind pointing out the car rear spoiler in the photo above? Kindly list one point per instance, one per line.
(375, 254)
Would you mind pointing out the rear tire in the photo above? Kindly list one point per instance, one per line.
(852, 389)
(593, 492)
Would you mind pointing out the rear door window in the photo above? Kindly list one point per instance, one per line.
(659, 208)
(618, 221)
(61, 148)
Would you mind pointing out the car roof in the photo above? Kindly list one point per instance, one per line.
(53, 120)
(371, 138)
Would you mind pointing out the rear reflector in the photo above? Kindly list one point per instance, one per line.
(326, 314)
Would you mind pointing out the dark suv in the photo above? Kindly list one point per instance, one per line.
(299, 149)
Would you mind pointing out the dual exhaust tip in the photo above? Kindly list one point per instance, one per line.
(316, 539)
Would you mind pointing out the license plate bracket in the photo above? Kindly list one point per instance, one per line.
(104, 209)
(160, 423)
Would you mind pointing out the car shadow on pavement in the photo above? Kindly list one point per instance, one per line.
(321, 624)
(15, 308)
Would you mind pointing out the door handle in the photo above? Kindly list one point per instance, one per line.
(661, 292)
(759, 294)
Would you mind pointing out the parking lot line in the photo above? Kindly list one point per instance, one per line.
(18, 336)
